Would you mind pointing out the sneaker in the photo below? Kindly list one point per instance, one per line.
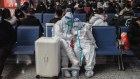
(89, 73)
(74, 73)
(67, 74)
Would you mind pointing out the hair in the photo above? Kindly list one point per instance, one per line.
(32, 11)
(128, 6)
(19, 13)
(99, 10)
(80, 6)
(59, 12)
(6, 13)
(26, 4)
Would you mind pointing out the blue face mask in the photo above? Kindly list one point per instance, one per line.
(69, 24)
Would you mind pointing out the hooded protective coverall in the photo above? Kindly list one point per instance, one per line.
(84, 45)
(62, 29)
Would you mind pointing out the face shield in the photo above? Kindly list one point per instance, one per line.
(67, 19)
(77, 24)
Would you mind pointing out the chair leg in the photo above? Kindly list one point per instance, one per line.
(122, 63)
(119, 63)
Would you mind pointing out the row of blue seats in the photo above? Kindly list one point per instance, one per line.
(26, 36)
(46, 17)
(105, 39)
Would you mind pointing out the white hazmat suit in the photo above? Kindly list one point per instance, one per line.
(84, 46)
(62, 29)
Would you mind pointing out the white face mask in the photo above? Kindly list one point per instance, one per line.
(57, 3)
(69, 3)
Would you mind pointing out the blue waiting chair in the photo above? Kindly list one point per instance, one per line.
(137, 14)
(47, 17)
(39, 16)
(26, 36)
(106, 41)
(81, 16)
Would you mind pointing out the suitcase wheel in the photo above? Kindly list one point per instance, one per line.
(37, 76)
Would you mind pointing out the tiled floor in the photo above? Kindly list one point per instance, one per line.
(102, 71)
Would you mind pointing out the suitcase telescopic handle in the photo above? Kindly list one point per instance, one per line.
(45, 59)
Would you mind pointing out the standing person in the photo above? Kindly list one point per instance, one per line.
(134, 36)
(7, 41)
(9, 18)
(62, 29)
(84, 46)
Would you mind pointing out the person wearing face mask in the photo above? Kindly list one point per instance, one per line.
(7, 41)
(84, 46)
(127, 10)
(57, 6)
(62, 29)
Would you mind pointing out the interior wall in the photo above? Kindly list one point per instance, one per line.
(1, 3)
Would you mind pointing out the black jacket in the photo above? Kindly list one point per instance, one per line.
(134, 34)
(7, 34)
(54, 20)
(31, 20)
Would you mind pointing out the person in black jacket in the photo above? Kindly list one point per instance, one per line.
(57, 16)
(7, 41)
(31, 20)
(134, 36)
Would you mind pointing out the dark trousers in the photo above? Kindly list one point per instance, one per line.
(4, 53)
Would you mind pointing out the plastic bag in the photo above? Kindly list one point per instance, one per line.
(124, 39)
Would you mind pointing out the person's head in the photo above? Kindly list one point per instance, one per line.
(31, 12)
(58, 12)
(80, 6)
(19, 14)
(68, 18)
(128, 7)
(6, 13)
(100, 11)
(26, 4)
(77, 24)
(57, 3)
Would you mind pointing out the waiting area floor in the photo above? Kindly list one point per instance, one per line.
(102, 71)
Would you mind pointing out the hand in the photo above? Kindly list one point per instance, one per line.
(74, 38)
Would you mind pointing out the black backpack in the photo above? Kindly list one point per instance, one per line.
(126, 16)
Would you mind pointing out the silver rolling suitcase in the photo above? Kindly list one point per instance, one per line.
(47, 55)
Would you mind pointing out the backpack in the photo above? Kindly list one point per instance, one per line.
(126, 15)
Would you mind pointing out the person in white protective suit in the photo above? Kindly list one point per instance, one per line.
(62, 29)
(84, 46)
